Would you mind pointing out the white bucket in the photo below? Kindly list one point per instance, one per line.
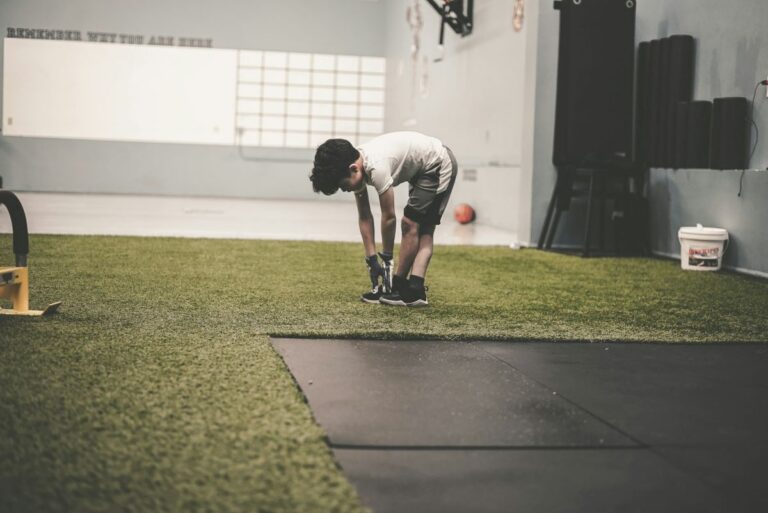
(701, 248)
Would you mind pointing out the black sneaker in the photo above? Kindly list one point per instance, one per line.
(415, 297)
(373, 296)
(393, 299)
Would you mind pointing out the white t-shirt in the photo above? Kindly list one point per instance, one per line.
(397, 157)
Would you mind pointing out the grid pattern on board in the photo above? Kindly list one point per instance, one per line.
(299, 100)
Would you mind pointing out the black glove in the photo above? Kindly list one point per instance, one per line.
(387, 259)
(374, 269)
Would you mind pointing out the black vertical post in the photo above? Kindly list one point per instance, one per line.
(590, 199)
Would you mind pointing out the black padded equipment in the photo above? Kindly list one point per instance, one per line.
(681, 135)
(660, 130)
(697, 144)
(665, 78)
(654, 95)
(593, 114)
(642, 113)
(680, 88)
(730, 134)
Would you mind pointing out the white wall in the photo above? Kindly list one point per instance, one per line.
(473, 100)
(352, 27)
(493, 192)
(118, 92)
(149, 93)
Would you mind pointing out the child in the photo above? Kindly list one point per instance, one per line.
(384, 162)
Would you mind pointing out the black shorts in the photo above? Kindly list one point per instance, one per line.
(425, 204)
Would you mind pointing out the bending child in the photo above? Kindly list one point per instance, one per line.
(430, 169)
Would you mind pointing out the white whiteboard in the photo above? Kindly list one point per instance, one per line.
(115, 92)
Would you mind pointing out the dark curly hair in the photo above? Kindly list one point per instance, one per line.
(332, 161)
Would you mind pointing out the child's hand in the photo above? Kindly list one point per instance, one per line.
(374, 269)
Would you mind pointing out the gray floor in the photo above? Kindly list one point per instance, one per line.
(542, 427)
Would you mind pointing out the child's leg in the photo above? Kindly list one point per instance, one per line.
(424, 254)
(409, 246)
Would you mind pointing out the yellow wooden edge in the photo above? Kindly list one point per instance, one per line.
(32, 313)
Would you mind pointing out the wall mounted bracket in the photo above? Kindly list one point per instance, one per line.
(458, 14)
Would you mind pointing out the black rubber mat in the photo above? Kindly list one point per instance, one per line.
(661, 393)
(546, 481)
(433, 394)
(451, 426)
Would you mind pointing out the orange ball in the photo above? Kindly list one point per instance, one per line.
(464, 213)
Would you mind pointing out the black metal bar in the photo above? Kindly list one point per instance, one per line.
(460, 22)
(553, 228)
(590, 199)
(548, 218)
(602, 195)
(470, 15)
(19, 226)
(442, 28)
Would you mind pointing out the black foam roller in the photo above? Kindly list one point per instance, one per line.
(663, 106)
(642, 117)
(681, 134)
(730, 134)
(679, 87)
(654, 95)
(699, 124)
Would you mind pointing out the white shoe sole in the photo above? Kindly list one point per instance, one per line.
(391, 302)
(370, 301)
(418, 303)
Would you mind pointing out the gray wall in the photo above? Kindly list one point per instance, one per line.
(731, 56)
(473, 96)
(353, 27)
(472, 100)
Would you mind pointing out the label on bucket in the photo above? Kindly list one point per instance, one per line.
(703, 257)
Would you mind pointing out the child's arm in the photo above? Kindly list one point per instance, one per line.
(388, 220)
(365, 221)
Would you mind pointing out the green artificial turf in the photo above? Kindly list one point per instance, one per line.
(155, 387)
